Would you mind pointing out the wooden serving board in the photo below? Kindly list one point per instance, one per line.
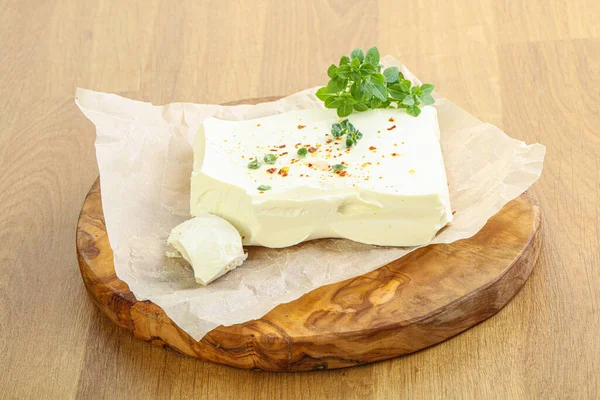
(419, 300)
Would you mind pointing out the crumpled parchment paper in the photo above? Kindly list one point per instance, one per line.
(144, 154)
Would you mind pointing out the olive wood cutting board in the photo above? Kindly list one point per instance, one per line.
(417, 301)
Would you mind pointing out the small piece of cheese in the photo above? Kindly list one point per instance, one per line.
(391, 188)
(210, 244)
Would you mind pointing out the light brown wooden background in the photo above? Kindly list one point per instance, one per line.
(530, 67)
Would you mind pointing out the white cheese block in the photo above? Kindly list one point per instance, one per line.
(393, 191)
(210, 244)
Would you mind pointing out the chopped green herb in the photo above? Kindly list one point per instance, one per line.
(264, 187)
(302, 151)
(338, 167)
(254, 164)
(270, 158)
(358, 84)
(340, 129)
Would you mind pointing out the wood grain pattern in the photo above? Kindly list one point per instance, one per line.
(532, 67)
(422, 299)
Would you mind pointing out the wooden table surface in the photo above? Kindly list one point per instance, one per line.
(530, 67)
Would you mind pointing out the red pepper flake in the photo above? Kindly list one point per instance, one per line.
(391, 119)
(284, 171)
(310, 165)
(283, 154)
(343, 173)
(243, 156)
(307, 145)
(282, 146)
(301, 126)
(391, 127)
(329, 141)
(453, 212)
(372, 148)
(293, 161)
(251, 158)
(338, 139)
(261, 192)
(272, 170)
(312, 149)
(395, 154)
(273, 150)
(257, 124)
(297, 145)
(344, 163)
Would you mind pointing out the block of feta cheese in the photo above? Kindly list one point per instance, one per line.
(389, 189)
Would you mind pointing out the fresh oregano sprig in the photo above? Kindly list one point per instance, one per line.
(340, 129)
(358, 84)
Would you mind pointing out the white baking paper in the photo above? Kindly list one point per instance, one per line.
(144, 154)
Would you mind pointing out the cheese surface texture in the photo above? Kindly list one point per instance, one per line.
(389, 189)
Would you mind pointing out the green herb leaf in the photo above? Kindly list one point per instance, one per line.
(336, 85)
(338, 167)
(344, 110)
(270, 158)
(428, 99)
(414, 111)
(397, 92)
(333, 101)
(344, 60)
(254, 164)
(368, 69)
(361, 107)
(408, 101)
(374, 103)
(302, 151)
(391, 74)
(264, 187)
(427, 88)
(405, 85)
(332, 71)
(338, 129)
(358, 54)
(365, 91)
(322, 94)
(372, 56)
(379, 78)
(344, 71)
(380, 91)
